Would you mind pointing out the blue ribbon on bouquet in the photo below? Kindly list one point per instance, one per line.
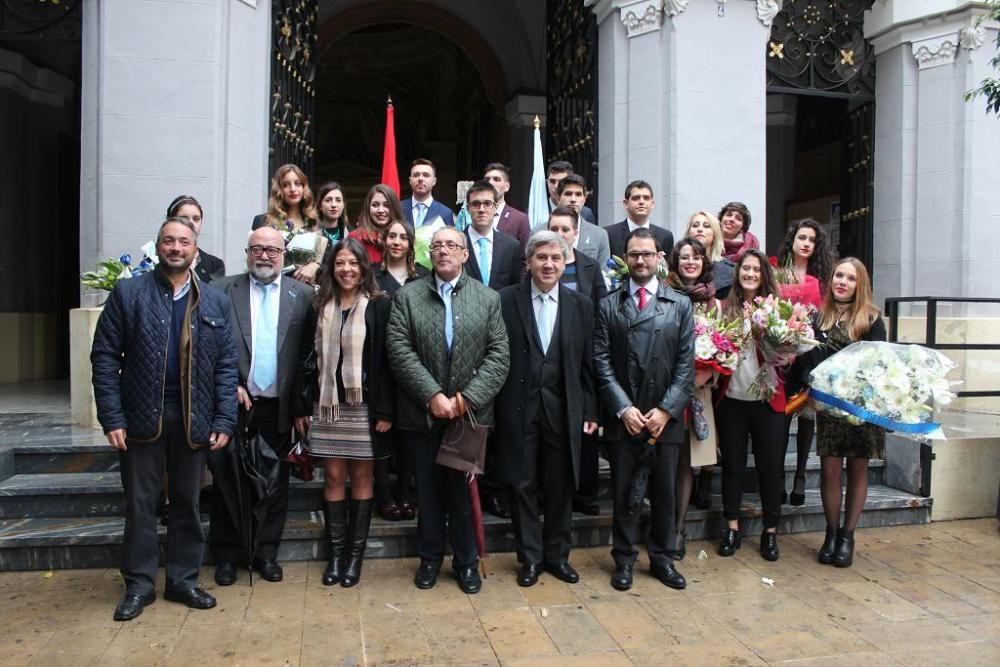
(924, 428)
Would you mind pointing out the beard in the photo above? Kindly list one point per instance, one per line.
(264, 273)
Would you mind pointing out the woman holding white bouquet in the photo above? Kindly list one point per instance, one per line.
(847, 315)
(745, 412)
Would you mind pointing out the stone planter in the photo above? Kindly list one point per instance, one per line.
(82, 323)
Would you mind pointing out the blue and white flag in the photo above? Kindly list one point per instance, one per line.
(538, 194)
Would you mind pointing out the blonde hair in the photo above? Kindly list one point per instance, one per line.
(861, 313)
(718, 247)
(277, 214)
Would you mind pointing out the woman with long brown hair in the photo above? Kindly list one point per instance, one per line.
(381, 208)
(290, 207)
(848, 314)
(743, 416)
(355, 406)
(332, 217)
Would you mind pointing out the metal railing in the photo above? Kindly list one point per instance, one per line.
(930, 335)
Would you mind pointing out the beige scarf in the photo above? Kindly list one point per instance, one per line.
(334, 339)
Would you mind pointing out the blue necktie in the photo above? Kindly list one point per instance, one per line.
(449, 330)
(421, 214)
(543, 321)
(266, 346)
(484, 267)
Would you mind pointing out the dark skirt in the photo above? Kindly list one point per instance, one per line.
(836, 437)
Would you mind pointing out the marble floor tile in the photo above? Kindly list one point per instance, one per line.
(921, 633)
(609, 659)
(630, 624)
(19, 648)
(333, 643)
(266, 644)
(983, 626)
(194, 645)
(713, 652)
(934, 600)
(517, 633)
(826, 642)
(574, 630)
(73, 648)
(141, 645)
(456, 639)
(951, 655)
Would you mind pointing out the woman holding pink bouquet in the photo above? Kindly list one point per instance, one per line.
(691, 275)
(806, 264)
(848, 314)
(744, 413)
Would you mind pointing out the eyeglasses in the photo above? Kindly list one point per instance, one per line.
(645, 254)
(482, 203)
(269, 250)
(450, 246)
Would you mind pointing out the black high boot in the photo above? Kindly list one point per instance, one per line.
(825, 555)
(336, 541)
(843, 552)
(361, 520)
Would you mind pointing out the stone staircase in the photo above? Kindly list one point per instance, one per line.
(61, 501)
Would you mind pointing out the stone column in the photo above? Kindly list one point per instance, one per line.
(682, 105)
(936, 222)
(175, 101)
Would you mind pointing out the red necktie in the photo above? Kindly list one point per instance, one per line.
(642, 298)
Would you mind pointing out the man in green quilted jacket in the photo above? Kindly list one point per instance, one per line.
(445, 335)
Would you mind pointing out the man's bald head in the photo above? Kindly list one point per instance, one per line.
(265, 253)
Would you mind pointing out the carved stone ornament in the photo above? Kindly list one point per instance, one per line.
(767, 10)
(675, 7)
(935, 51)
(642, 17)
(972, 36)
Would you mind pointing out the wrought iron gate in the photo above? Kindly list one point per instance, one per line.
(293, 70)
(571, 113)
(856, 198)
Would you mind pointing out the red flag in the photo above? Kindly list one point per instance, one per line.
(390, 173)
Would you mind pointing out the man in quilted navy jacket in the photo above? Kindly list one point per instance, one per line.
(165, 378)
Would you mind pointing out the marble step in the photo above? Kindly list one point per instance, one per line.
(40, 543)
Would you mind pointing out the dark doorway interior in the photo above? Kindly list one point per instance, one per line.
(441, 109)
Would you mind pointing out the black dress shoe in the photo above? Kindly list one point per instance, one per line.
(496, 506)
(731, 541)
(225, 573)
(195, 598)
(427, 575)
(132, 605)
(528, 575)
(668, 576)
(825, 555)
(769, 545)
(621, 580)
(468, 580)
(269, 570)
(563, 572)
(590, 509)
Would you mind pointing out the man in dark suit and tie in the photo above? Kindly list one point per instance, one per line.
(420, 208)
(273, 326)
(506, 218)
(644, 363)
(494, 258)
(639, 205)
(545, 407)
(557, 171)
(591, 240)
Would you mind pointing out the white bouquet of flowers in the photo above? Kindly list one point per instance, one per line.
(887, 384)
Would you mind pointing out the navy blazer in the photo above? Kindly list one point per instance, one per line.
(437, 210)
(618, 232)
(505, 269)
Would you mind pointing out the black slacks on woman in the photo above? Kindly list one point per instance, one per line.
(738, 422)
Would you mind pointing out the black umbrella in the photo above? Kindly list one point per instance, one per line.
(640, 478)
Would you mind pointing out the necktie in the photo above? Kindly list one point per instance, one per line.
(421, 213)
(266, 347)
(449, 331)
(642, 297)
(484, 267)
(544, 333)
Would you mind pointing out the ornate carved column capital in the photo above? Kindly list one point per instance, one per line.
(675, 7)
(935, 51)
(642, 16)
(973, 35)
(767, 10)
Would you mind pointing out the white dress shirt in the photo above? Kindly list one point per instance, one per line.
(553, 306)
(632, 226)
(414, 211)
(256, 294)
(474, 236)
(651, 288)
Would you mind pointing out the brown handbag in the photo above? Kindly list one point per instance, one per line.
(463, 444)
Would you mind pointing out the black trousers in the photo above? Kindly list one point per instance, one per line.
(401, 454)
(224, 535)
(142, 466)
(662, 523)
(737, 422)
(443, 497)
(587, 489)
(546, 458)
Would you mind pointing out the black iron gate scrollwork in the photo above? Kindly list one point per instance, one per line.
(571, 109)
(40, 19)
(293, 71)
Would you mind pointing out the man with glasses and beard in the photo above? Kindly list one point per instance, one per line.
(273, 324)
(164, 375)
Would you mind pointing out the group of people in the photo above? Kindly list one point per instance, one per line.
(366, 357)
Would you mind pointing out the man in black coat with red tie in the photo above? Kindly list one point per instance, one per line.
(545, 407)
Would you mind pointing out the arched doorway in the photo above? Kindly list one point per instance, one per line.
(447, 87)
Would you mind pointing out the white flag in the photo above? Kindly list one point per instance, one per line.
(538, 195)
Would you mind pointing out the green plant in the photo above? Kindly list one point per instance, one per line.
(107, 275)
(989, 87)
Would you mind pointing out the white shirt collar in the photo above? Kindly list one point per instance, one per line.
(438, 282)
(430, 200)
(652, 287)
(475, 236)
(553, 293)
(633, 225)
(259, 285)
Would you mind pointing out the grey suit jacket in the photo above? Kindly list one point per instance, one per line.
(594, 243)
(296, 329)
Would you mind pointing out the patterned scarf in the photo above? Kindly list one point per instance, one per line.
(335, 338)
(698, 292)
(734, 250)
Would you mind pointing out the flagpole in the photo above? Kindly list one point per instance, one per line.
(390, 171)
(538, 193)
